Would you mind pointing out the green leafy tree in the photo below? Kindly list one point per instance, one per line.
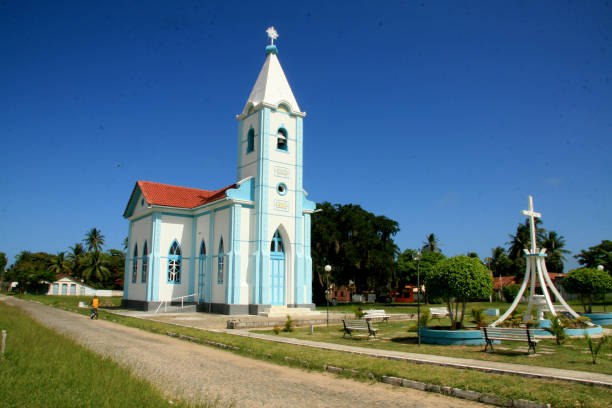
(501, 265)
(31, 272)
(115, 262)
(59, 264)
(554, 244)
(597, 255)
(3, 262)
(457, 280)
(94, 240)
(587, 283)
(356, 243)
(406, 269)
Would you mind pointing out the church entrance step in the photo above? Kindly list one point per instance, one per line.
(283, 311)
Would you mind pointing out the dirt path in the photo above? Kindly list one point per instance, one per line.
(198, 372)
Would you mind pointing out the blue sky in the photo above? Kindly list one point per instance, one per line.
(443, 116)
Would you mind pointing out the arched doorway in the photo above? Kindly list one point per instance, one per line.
(277, 270)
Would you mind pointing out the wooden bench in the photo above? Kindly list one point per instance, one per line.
(358, 325)
(438, 312)
(509, 334)
(375, 314)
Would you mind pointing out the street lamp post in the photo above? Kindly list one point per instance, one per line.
(328, 269)
(417, 258)
(601, 268)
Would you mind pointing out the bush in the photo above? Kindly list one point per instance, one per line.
(288, 324)
(594, 348)
(276, 330)
(557, 330)
(359, 312)
(478, 317)
(425, 317)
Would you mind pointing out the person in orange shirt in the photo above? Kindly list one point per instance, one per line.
(94, 307)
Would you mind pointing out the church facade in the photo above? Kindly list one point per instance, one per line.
(236, 250)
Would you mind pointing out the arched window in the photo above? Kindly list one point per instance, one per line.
(145, 263)
(276, 245)
(250, 141)
(220, 262)
(201, 270)
(174, 263)
(135, 263)
(281, 139)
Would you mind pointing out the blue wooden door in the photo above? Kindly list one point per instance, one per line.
(277, 270)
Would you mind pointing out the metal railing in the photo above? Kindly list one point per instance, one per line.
(182, 298)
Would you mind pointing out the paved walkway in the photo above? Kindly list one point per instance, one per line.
(217, 323)
(193, 372)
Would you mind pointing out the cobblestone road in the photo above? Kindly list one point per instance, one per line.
(197, 372)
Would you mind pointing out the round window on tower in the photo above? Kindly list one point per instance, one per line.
(281, 188)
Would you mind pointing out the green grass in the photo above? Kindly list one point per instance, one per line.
(43, 369)
(566, 394)
(394, 336)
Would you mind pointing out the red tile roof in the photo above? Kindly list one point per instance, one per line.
(176, 196)
(511, 280)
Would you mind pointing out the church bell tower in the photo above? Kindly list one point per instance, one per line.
(270, 152)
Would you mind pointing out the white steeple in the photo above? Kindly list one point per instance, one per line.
(272, 87)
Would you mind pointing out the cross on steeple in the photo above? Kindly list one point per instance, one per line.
(272, 34)
(532, 216)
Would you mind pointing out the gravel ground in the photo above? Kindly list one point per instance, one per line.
(197, 372)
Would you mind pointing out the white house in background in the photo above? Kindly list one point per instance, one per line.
(239, 249)
(68, 286)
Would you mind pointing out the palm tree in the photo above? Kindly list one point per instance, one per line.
(432, 244)
(95, 267)
(94, 240)
(59, 264)
(76, 256)
(554, 244)
(522, 239)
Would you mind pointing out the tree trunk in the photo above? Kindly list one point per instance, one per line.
(462, 315)
(450, 313)
(583, 304)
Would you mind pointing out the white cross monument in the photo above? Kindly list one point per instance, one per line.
(535, 268)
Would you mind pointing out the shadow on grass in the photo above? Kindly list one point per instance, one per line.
(405, 340)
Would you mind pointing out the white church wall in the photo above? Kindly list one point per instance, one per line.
(203, 233)
(249, 160)
(245, 250)
(179, 228)
(141, 232)
(221, 229)
(141, 207)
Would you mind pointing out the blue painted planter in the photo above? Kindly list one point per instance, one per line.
(600, 319)
(570, 332)
(451, 337)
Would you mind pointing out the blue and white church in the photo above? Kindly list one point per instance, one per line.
(241, 249)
